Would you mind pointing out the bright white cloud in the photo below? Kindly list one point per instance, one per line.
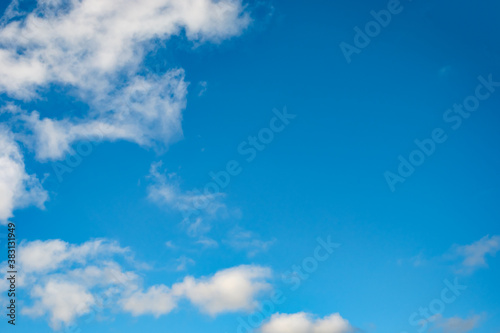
(63, 301)
(231, 290)
(95, 49)
(17, 188)
(158, 300)
(305, 323)
(44, 256)
(80, 42)
(474, 255)
(67, 281)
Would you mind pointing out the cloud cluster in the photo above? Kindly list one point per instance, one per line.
(230, 290)
(93, 51)
(84, 43)
(66, 281)
(305, 323)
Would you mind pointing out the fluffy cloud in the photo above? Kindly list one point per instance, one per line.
(474, 255)
(43, 256)
(63, 301)
(95, 50)
(305, 323)
(157, 300)
(17, 187)
(78, 43)
(66, 281)
(230, 290)
(100, 275)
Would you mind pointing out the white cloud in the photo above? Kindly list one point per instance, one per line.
(64, 302)
(231, 290)
(305, 323)
(158, 300)
(146, 111)
(17, 188)
(80, 42)
(67, 281)
(44, 256)
(95, 50)
(474, 255)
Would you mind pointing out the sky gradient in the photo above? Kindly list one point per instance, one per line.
(237, 166)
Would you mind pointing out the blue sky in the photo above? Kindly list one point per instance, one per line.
(325, 215)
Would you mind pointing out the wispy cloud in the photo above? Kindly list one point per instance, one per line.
(183, 262)
(203, 86)
(466, 259)
(455, 324)
(244, 240)
(196, 207)
(208, 242)
(165, 189)
(473, 256)
(146, 110)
